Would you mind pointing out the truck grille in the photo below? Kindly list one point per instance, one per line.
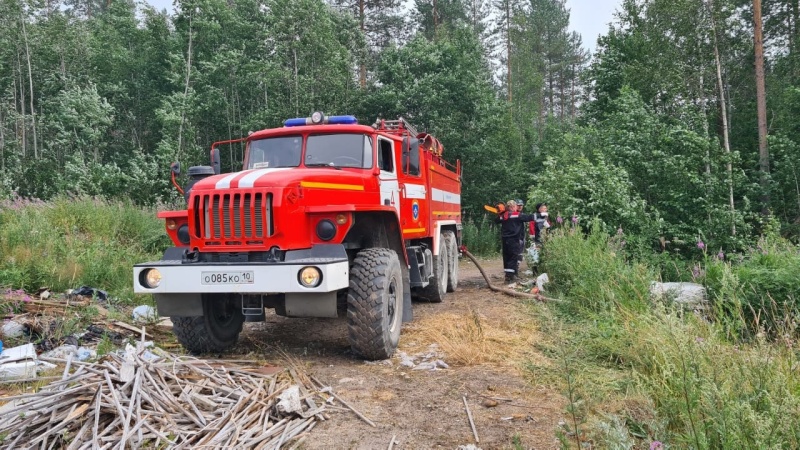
(235, 216)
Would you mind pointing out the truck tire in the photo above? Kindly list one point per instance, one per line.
(437, 289)
(452, 261)
(375, 303)
(216, 330)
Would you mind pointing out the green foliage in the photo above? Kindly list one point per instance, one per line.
(656, 374)
(597, 279)
(71, 242)
(758, 293)
(481, 237)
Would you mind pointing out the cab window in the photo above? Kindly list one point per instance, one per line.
(339, 150)
(385, 155)
(281, 151)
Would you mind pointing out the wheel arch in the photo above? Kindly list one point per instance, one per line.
(382, 229)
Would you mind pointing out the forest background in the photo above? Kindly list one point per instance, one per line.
(656, 134)
(650, 154)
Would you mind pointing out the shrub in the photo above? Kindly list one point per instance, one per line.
(481, 237)
(69, 242)
(655, 373)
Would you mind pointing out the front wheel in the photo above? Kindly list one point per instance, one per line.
(216, 330)
(375, 303)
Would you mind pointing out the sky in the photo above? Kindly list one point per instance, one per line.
(590, 18)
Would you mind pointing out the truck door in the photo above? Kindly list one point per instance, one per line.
(414, 207)
(390, 189)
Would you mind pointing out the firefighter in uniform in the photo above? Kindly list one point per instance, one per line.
(512, 225)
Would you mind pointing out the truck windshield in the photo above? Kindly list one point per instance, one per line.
(275, 152)
(339, 150)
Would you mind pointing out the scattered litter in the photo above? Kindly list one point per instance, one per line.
(61, 352)
(290, 400)
(17, 370)
(18, 363)
(13, 329)
(691, 295)
(441, 364)
(144, 313)
(19, 353)
(85, 354)
(86, 291)
(405, 361)
(382, 362)
(541, 280)
(468, 447)
(170, 401)
(425, 366)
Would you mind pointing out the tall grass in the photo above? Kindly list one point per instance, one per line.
(481, 237)
(69, 242)
(654, 373)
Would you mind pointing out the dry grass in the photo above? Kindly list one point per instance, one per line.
(501, 335)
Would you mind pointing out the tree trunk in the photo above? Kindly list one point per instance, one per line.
(761, 106)
(22, 107)
(362, 69)
(723, 110)
(433, 16)
(794, 36)
(185, 91)
(508, 48)
(30, 85)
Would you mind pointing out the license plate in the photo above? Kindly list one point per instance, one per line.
(245, 277)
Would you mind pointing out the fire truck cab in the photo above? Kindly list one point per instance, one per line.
(327, 218)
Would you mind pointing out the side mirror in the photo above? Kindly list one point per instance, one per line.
(175, 168)
(215, 163)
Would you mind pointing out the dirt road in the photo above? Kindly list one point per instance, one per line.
(484, 338)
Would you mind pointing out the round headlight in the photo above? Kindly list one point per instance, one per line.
(150, 278)
(183, 234)
(341, 219)
(326, 230)
(317, 117)
(172, 224)
(309, 276)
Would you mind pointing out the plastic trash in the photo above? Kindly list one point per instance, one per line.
(533, 253)
(12, 329)
(87, 291)
(541, 280)
(85, 353)
(144, 313)
(18, 363)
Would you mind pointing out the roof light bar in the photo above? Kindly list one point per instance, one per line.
(319, 118)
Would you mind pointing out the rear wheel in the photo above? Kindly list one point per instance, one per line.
(452, 261)
(375, 303)
(437, 289)
(216, 330)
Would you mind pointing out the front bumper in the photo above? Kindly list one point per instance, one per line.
(267, 278)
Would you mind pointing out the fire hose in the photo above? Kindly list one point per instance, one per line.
(506, 291)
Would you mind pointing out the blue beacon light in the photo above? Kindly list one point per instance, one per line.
(331, 120)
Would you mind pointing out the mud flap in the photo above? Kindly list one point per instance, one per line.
(408, 313)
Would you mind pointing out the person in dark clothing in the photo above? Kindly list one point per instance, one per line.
(512, 224)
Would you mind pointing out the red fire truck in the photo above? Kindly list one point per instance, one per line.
(328, 218)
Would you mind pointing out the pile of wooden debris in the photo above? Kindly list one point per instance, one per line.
(152, 398)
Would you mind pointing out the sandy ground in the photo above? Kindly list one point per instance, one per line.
(422, 408)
